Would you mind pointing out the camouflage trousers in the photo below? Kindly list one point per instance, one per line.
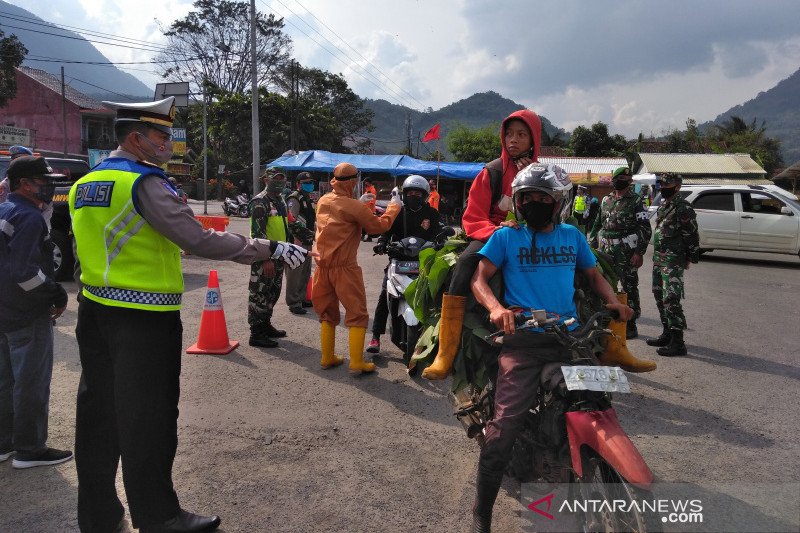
(628, 275)
(264, 293)
(668, 291)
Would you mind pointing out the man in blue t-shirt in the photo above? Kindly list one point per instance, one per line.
(538, 261)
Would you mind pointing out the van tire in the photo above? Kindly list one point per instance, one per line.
(63, 262)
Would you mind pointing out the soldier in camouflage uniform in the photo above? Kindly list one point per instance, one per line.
(676, 245)
(268, 220)
(623, 231)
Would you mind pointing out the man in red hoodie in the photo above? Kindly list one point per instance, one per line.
(487, 210)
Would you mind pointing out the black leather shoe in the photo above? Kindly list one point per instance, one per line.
(184, 522)
(631, 331)
(298, 310)
(308, 303)
(270, 331)
(263, 341)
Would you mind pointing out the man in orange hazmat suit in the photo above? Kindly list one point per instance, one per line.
(338, 278)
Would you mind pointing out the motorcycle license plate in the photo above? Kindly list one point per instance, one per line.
(407, 267)
(597, 378)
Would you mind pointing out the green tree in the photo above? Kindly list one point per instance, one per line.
(213, 43)
(331, 92)
(735, 135)
(12, 53)
(474, 145)
(596, 142)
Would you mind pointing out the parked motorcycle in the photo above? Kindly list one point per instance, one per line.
(572, 434)
(237, 206)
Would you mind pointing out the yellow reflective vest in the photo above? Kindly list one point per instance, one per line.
(124, 261)
(580, 204)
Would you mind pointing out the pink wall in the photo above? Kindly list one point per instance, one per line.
(38, 108)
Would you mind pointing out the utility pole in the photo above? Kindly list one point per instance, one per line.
(205, 151)
(254, 89)
(293, 96)
(64, 110)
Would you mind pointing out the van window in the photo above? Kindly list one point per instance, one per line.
(761, 203)
(718, 201)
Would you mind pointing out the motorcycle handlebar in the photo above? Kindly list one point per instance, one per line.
(551, 326)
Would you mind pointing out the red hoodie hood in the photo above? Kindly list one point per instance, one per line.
(534, 125)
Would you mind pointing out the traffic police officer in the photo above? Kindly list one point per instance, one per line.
(676, 245)
(624, 233)
(130, 226)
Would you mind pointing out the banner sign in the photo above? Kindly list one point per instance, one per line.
(9, 136)
(96, 156)
(179, 141)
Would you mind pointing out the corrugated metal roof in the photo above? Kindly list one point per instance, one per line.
(725, 181)
(579, 165)
(702, 164)
(54, 84)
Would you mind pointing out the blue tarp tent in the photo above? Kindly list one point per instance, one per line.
(394, 165)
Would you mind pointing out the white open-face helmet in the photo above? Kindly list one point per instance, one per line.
(547, 178)
(417, 182)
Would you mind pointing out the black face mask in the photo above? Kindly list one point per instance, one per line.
(668, 193)
(537, 214)
(620, 184)
(414, 203)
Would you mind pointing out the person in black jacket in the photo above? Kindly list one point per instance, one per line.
(416, 219)
(30, 302)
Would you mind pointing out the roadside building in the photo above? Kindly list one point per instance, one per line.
(37, 106)
(703, 169)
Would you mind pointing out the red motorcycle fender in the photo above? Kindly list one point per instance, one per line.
(600, 431)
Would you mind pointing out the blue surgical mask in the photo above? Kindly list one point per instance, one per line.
(308, 187)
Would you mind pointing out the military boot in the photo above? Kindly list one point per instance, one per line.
(630, 329)
(260, 337)
(661, 340)
(271, 331)
(487, 486)
(676, 346)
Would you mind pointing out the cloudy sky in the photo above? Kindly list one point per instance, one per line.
(640, 66)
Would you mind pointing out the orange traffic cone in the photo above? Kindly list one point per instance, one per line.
(213, 336)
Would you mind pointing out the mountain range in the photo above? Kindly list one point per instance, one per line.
(779, 106)
(102, 82)
(476, 111)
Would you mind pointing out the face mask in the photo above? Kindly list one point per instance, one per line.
(275, 187)
(161, 153)
(537, 214)
(620, 184)
(45, 193)
(414, 203)
(667, 193)
(308, 187)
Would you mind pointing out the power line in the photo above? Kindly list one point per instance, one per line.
(351, 59)
(37, 22)
(103, 63)
(103, 88)
(384, 89)
(357, 52)
(82, 39)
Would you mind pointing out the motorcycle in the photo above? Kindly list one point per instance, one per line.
(571, 434)
(404, 327)
(237, 206)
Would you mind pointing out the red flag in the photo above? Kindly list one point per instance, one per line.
(432, 133)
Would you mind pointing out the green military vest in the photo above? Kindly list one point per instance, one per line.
(124, 261)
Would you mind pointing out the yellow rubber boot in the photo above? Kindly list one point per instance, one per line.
(449, 337)
(356, 340)
(617, 352)
(327, 338)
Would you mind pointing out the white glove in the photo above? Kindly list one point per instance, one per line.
(291, 254)
(395, 199)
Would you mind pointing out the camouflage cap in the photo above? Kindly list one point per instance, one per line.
(622, 171)
(274, 173)
(669, 179)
